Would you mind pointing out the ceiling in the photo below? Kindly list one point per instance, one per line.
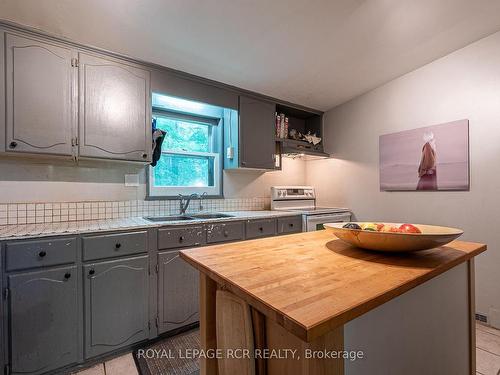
(318, 53)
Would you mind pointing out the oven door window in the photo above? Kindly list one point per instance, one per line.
(315, 222)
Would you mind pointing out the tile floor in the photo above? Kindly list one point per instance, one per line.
(487, 350)
(123, 365)
(487, 357)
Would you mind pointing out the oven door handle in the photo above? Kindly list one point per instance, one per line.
(344, 216)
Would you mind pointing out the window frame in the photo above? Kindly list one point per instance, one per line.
(215, 144)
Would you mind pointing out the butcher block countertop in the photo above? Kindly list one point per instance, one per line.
(311, 283)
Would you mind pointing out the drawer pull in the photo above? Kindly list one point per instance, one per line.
(67, 275)
(144, 156)
(13, 144)
(42, 254)
(226, 234)
(181, 238)
(261, 229)
(118, 245)
(91, 272)
(290, 225)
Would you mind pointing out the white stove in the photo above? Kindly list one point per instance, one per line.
(303, 199)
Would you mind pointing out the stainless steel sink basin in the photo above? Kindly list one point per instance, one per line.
(211, 216)
(169, 218)
(215, 215)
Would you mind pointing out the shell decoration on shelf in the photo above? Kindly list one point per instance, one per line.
(298, 136)
(312, 138)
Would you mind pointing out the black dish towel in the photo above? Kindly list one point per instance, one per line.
(158, 137)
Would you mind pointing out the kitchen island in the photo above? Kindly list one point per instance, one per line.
(309, 303)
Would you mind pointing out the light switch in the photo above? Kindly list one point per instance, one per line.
(131, 180)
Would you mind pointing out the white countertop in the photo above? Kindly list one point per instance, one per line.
(25, 231)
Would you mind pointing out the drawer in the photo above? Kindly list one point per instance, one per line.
(40, 253)
(260, 228)
(114, 245)
(292, 224)
(170, 238)
(223, 232)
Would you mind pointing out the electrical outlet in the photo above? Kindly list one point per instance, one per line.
(132, 180)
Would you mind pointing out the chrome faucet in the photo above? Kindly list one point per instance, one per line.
(201, 200)
(184, 202)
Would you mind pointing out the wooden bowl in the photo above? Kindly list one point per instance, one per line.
(431, 236)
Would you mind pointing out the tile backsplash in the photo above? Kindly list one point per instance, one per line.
(31, 213)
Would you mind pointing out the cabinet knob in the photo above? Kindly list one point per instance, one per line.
(181, 238)
(226, 233)
(42, 253)
(13, 144)
(118, 245)
(91, 272)
(261, 229)
(67, 275)
(290, 225)
(144, 156)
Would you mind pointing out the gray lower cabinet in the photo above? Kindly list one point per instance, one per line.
(260, 228)
(287, 225)
(116, 304)
(43, 324)
(225, 232)
(114, 245)
(177, 237)
(40, 253)
(45, 317)
(178, 292)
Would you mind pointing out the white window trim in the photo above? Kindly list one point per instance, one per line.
(174, 191)
(170, 191)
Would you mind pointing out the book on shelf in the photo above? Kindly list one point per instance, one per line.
(281, 125)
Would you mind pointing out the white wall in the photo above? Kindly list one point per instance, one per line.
(464, 84)
(31, 180)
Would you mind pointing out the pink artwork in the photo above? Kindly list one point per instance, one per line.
(431, 158)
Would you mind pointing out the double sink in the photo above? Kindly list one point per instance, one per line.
(187, 217)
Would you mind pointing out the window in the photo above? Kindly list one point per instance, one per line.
(190, 160)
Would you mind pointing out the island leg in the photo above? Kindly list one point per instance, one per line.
(472, 315)
(208, 336)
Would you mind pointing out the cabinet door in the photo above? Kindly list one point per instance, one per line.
(257, 134)
(39, 96)
(116, 304)
(178, 292)
(43, 320)
(114, 110)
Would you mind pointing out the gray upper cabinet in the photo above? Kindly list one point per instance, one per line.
(114, 109)
(116, 304)
(43, 320)
(178, 292)
(40, 83)
(257, 133)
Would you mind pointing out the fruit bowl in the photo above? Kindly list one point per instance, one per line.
(374, 238)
